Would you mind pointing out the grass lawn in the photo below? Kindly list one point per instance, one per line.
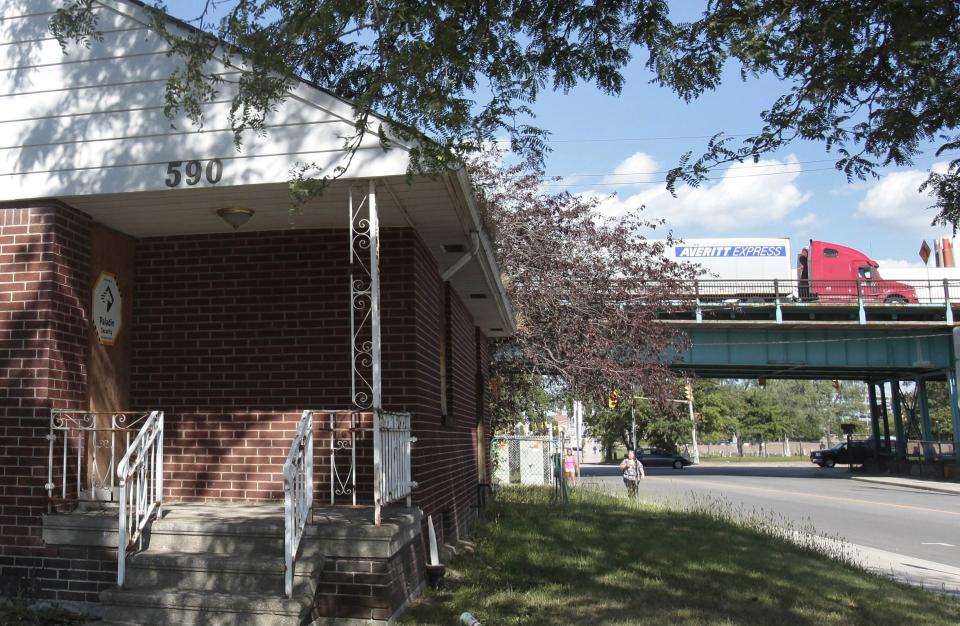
(604, 561)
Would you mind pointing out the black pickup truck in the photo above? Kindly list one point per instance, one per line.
(852, 453)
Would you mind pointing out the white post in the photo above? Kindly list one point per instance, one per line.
(693, 430)
(375, 345)
(577, 425)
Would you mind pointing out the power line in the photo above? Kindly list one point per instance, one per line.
(629, 139)
(660, 182)
(745, 165)
(561, 185)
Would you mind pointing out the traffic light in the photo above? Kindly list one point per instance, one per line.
(613, 399)
(688, 388)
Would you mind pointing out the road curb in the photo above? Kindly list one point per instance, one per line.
(920, 487)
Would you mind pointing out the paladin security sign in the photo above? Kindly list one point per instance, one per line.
(107, 308)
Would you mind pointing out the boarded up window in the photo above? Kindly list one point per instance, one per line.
(446, 349)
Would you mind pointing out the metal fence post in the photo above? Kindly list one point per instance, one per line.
(863, 312)
(696, 292)
(946, 300)
(776, 295)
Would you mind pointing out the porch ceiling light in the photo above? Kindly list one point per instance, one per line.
(235, 216)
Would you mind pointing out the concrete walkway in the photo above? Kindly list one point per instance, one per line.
(912, 483)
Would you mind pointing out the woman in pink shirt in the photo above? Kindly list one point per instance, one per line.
(570, 468)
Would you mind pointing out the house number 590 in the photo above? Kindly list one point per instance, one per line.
(193, 171)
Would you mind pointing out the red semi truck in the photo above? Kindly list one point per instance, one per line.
(760, 269)
(829, 272)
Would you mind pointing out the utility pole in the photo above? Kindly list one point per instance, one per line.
(577, 425)
(633, 424)
(693, 428)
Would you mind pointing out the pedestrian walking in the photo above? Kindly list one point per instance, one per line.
(570, 467)
(633, 472)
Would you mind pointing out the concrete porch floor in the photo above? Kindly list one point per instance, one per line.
(95, 524)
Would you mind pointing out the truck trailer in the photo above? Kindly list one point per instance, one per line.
(759, 269)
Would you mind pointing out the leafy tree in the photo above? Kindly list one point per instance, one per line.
(720, 409)
(611, 427)
(808, 409)
(817, 407)
(872, 80)
(763, 419)
(586, 289)
(941, 418)
(663, 426)
(517, 397)
(869, 79)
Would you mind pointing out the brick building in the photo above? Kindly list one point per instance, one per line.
(130, 306)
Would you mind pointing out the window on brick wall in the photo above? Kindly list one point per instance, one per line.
(445, 345)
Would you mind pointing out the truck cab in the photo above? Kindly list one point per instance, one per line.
(829, 272)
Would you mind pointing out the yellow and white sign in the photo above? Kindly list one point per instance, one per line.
(107, 308)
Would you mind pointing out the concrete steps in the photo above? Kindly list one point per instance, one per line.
(191, 607)
(215, 564)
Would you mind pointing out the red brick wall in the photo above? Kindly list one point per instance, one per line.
(234, 335)
(43, 323)
(445, 459)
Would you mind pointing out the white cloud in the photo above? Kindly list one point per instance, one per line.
(806, 220)
(899, 264)
(636, 169)
(740, 199)
(896, 199)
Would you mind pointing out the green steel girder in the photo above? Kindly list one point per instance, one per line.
(817, 351)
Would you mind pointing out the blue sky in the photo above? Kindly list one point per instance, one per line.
(610, 145)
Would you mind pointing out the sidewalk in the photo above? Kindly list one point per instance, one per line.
(900, 567)
(912, 483)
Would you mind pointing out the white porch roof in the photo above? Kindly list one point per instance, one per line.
(88, 129)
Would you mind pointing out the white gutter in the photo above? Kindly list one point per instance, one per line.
(488, 262)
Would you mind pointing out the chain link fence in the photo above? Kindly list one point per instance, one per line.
(524, 459)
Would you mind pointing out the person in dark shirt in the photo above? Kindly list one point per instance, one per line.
(633, 472)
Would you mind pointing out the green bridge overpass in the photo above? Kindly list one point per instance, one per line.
(882, 346)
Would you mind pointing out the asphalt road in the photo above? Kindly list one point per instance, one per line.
(909, 522)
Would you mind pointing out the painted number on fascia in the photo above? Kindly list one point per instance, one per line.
(193, 171)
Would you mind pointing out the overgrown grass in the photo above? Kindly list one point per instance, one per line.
(604, 561)
(755, 459)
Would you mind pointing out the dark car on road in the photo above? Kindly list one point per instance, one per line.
(656, 457)
(844, 453)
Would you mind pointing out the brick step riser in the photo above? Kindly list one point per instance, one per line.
(177, 616)
(216, 581)
(241, 545)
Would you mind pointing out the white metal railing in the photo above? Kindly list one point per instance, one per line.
(88, 444)
(140, 474)
(297, 494)
(339, 436)
(392, 479)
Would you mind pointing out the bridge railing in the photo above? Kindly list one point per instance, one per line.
(840, 291)
(925, 451)
(706, 293)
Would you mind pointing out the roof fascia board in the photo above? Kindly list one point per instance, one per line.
(466, 199)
